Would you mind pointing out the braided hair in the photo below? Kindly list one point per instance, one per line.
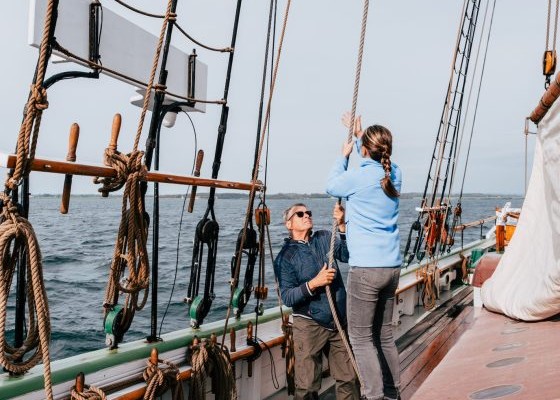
(378, 142)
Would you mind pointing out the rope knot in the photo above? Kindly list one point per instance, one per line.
(89, 393)
(159, 379)
(171, 16)
(39, 98)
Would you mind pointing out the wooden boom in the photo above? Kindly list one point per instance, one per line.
(65, 167)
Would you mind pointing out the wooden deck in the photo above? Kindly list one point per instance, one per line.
(499, 358)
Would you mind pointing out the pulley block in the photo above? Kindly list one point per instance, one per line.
(112, 323)
(199, 309)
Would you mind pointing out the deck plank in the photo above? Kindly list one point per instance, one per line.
(467, 369)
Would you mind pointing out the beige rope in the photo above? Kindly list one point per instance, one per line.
(17, 233)
(335, 222)
(130, 248)
(89, 393)
(210, 359)
(159, 378)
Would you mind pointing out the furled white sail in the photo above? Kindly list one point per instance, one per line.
(526, 283)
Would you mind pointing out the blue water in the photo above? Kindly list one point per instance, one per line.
(77, 250)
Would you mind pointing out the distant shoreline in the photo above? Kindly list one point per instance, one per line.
(291, 196)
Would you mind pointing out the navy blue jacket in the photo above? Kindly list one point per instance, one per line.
(297, 263)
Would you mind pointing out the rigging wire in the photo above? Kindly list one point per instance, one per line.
(180, 225)
(478, 95)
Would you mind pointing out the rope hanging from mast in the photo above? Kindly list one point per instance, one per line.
(335, 222)
(130, 252)
(19, 247)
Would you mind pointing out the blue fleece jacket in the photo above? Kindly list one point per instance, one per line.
(371, 216)
(297, 263)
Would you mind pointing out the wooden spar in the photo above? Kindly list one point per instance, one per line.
(65, 167)
(462, 227)
(546, 101)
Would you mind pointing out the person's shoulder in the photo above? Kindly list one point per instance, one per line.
(286, 252)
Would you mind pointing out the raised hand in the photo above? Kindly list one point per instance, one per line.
(346, 120)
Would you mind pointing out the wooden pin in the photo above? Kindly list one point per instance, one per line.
(80, 379)
(115, 130)
(232, 340)
(154, 356)
(213, 339)
(70, 157)
(198, 165)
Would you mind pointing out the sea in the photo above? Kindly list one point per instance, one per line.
(77, 250)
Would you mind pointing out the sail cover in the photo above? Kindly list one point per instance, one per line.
(526, 283)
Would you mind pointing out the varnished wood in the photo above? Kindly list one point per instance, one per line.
(198, 165)
(479, 222)
(65, 167)
(70, 157)
(546, 101)
(138, 394)
(80, 382)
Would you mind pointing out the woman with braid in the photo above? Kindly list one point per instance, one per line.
(372, 209)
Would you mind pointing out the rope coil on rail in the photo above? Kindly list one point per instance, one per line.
(208, 359)
(89, 393)
(159, 379)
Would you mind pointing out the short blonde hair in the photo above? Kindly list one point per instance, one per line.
(286, 214)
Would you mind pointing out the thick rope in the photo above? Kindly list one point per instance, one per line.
(89, 393)
(210, 359)
(335, 222)
(130, 248)
(159, 379)
(248, 212)
(16, 233)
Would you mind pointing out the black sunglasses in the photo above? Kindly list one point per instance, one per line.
(300, 214)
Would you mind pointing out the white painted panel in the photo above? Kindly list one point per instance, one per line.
(125, 47)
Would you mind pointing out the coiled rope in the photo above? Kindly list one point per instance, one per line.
(89, 393)
(335, 222)
(210, 359)
(17, 237)
(130, 247)
(160, 378)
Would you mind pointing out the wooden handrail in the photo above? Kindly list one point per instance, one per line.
(70, 168)
(185, 375)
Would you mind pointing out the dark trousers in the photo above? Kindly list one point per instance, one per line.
(310, 340)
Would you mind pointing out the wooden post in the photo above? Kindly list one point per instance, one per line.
(232, 340)
(154, 357)
(249, 339)
(80, 379)
(500, 238)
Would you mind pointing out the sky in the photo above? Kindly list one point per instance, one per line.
(408, 52)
